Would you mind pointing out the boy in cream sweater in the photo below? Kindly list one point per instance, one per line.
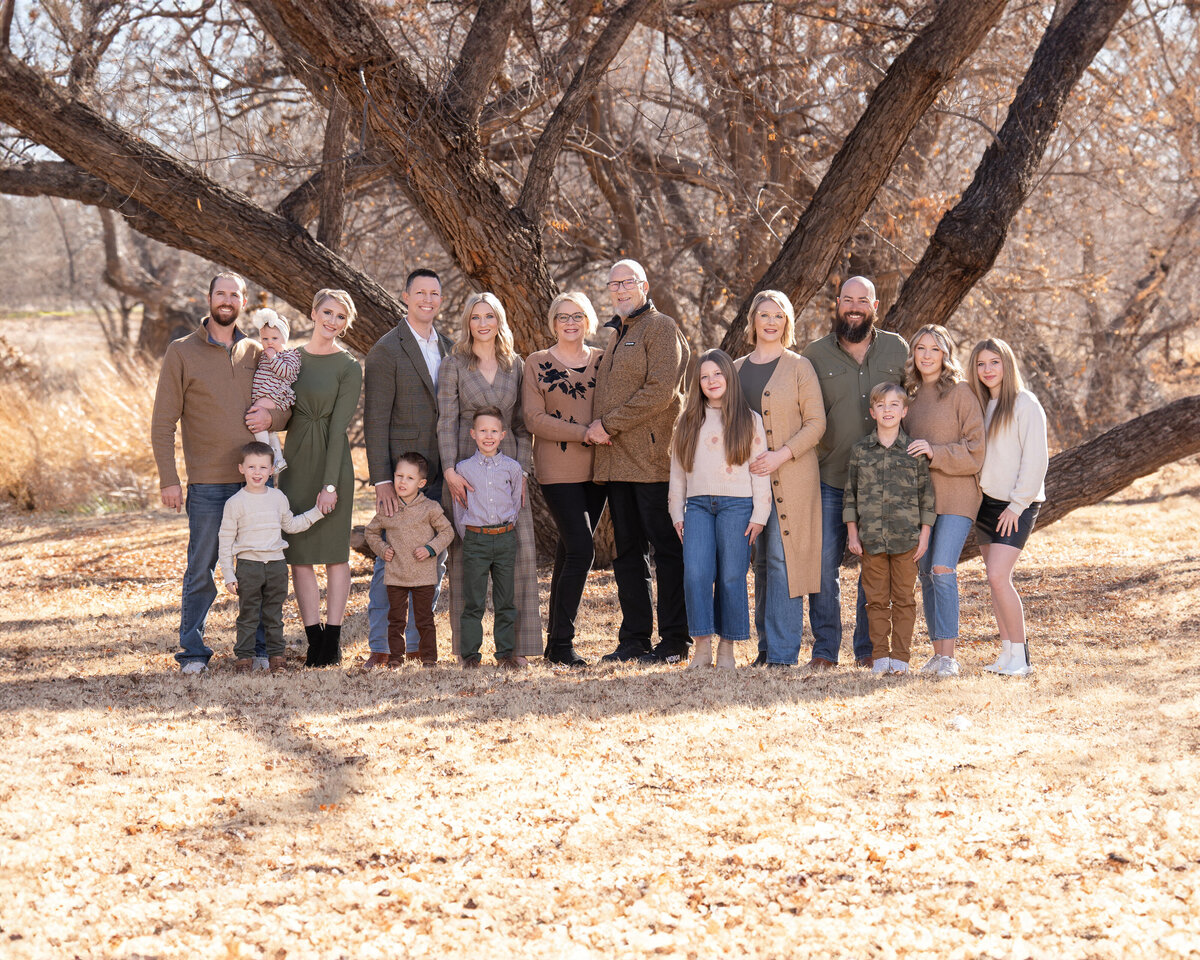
(250, 550)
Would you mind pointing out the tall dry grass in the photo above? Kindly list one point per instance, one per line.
(77, 441)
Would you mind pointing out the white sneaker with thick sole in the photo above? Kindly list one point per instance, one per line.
(261, 663)
(882, 665)
(194, 666)
(1002, 660)
(1018, 662)
(948, 667)
(933, 664)
(898, 666)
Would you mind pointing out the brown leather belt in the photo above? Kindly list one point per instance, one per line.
(497, 528)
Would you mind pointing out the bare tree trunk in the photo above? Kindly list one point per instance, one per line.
(333, 166)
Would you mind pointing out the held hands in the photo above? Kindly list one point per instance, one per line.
(326, 502)
(920, 448)
(767, 463)
(752, 531)
(389, 555)
(231, 587)
(1007, 523)
(596, 433)
(458, 486)
(172, 497)
(386, 500)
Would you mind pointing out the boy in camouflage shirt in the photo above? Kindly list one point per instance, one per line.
(888, 511)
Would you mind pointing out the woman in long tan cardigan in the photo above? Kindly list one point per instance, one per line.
(782, 386)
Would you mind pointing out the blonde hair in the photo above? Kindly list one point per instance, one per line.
(1010, 384)
(342, 297)
(465, 345)
(781, 299)
(951, 371)
(737, 419)
(266, 317)
(881, 390)
(579, 299)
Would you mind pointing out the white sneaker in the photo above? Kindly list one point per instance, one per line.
(948, 667)
(280, 465)
(261, 663)
(1018, 662)
(898, 666)
(882, 665)
(1002, 660)
(934, 664)
(194, 666)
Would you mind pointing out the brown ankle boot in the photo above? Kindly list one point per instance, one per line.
(277, 664)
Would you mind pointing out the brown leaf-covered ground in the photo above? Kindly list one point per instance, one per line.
(615, 812)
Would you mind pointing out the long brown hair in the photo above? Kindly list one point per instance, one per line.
(951, 371)
(1010, 384)
(737, 419)
(465, 345)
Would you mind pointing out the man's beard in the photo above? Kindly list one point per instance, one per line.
(226, 323)
(854, 332)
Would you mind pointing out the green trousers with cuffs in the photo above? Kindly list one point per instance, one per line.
(484, 555)
(262, 588)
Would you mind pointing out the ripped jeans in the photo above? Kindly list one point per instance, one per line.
(939, 591)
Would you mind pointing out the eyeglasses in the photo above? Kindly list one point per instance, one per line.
(569, 317)
(627, 284)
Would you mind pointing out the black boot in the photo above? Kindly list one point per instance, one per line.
(333, 644)
(563, 652)
(315, 655)
(628, 651)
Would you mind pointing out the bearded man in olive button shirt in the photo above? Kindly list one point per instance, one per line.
(850, 362)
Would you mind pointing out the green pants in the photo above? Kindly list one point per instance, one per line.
(262, 588)
(484, 554)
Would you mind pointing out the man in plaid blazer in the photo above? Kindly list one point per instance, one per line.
(400, 414)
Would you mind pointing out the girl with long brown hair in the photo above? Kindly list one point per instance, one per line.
(717, 505)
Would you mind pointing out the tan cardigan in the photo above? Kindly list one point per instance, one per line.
(639, 394)
(557, 404)
(793, 414)
(206, 391)
(953, 425)
(421, 523)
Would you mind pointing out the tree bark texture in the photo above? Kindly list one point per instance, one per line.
(970, 236)
(865, 159)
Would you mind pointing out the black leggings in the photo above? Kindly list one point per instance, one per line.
(576, 508)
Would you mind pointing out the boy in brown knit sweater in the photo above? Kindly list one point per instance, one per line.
(415, 534)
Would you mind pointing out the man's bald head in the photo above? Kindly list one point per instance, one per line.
(856, 310)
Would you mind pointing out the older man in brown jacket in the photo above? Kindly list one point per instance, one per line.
(639, 393)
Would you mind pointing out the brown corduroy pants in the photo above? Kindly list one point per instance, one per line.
(888, 581)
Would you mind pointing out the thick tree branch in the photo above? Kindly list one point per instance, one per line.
(481, 57)
(303, 204)
(273, 251)
(333, 163)
(865, 159)
(970, 236)
(6, 18)
(579, 91)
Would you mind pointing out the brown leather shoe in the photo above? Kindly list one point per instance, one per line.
(820, 663)
(277, 664)
(242, 665)
(376, 660)
(509, 663)
(472, 663)
(867, 662)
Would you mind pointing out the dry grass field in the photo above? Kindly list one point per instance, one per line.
(618, 812)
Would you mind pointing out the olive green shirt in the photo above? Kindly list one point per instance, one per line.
(888, 494)
(846, 389)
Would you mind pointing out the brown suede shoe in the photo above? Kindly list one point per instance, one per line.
(277, 664)
(243, 665)
(820, 663)
(376, 660)
(867, 662)
(472, 663)
(509, 663)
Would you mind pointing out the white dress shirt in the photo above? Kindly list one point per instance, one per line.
(430, 351)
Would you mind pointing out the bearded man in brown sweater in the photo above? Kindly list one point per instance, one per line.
(639, 393)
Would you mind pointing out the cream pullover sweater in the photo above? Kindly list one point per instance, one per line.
(251, 528)
(1014, 464)
(711, 476)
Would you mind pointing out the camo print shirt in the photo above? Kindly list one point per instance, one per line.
(888, 494)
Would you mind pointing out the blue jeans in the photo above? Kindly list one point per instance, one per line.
(778, 616)
(205, 506)
(716, 558)
(825, 608)
(378, 607)
(939, 591)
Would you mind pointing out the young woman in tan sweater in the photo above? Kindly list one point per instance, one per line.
(946, 426)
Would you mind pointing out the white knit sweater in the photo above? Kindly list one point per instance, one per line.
(1015, 460)
(711, 476)
(252, 527)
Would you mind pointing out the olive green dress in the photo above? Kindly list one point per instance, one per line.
(317, 451)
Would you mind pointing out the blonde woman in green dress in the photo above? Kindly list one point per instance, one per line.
(319, 470)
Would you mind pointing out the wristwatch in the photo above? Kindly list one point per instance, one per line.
(330, 488)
